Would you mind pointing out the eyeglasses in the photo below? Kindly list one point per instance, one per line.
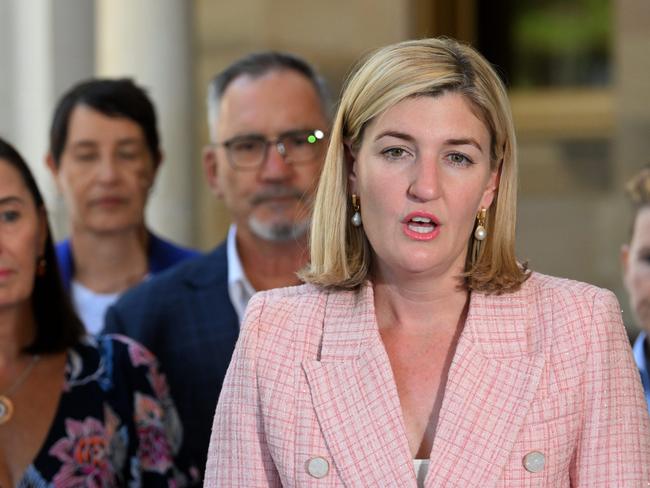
(296, 147)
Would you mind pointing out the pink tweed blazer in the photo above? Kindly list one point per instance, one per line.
(546, 369)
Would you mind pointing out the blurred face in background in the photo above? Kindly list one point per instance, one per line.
(636, 268)
(23, 231)
(271, 201)
(105, 172)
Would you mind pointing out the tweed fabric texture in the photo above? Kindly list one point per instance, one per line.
(548, 368)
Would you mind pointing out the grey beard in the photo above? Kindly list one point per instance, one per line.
(279, 232)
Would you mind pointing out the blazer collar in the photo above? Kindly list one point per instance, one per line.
(492, 380)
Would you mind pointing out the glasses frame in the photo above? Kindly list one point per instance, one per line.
(279, 143)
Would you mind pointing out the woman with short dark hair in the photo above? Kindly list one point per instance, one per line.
(104, 155)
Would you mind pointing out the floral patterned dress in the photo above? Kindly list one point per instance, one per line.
(115, 425)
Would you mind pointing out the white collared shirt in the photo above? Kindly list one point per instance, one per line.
(240, 289)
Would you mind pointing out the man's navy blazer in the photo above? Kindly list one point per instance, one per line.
(185, 317)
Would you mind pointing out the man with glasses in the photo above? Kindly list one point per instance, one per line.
(269, 117)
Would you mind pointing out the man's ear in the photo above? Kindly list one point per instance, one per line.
(51, 164)
(211, 170)
(351, 165)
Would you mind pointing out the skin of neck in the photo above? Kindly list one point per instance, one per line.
(406, 301)
(271, 264)
(110, 262)
(17, 329)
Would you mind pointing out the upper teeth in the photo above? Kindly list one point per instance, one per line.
(425, 220)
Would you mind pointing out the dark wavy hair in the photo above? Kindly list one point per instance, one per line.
(57, 324)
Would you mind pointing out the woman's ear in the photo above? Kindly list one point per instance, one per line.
(51, 164)
(351, 165)
(491, 188)
(158, 161)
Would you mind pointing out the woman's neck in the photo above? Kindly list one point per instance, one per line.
(17, 329)
(419, 303)
(110, 262)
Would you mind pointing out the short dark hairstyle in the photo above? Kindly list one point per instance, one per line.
(57, 324)
(111, 97)
(258, 64)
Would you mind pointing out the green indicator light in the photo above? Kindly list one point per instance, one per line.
(311, 139)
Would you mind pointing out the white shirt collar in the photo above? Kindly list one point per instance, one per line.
(239, 288)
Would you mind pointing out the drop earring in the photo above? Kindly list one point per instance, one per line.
(480, 233)
(41, 266)
(356, 216)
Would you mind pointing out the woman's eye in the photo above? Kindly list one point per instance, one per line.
(128, 156)
(394, 152)
(459, 159)
(86, 157)
(9, 216)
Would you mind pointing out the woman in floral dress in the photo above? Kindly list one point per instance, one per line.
(75, 411)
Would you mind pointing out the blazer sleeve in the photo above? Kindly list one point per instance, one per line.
(614, 442)
(238, 454)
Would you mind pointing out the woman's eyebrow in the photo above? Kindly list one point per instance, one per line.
(463, 142)
(10, 199)
(397, 134)
(449, 142)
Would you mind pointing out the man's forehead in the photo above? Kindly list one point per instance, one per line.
(278, 100)
(254, 82)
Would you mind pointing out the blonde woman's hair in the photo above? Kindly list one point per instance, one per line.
(340, 253)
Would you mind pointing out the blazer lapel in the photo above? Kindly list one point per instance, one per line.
(355, 398)
(492, 381)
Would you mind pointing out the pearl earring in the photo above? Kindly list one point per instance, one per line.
(480, 233)
(356, 217)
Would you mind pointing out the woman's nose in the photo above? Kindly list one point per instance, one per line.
(107, 169)
(425, 180)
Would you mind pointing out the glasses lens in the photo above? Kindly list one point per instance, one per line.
(302, 146)
(246, 152)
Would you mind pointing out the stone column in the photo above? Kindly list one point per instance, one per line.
(632, 69)
(150, 41)
(44, 48)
